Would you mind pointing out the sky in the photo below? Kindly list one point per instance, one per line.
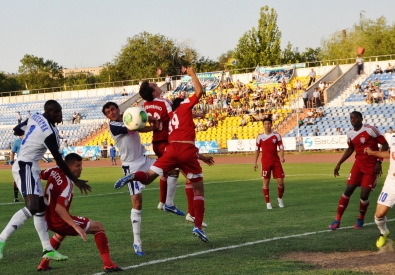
(89, 33)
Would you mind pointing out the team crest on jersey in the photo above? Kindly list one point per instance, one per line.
(274, 140)
(363, 140)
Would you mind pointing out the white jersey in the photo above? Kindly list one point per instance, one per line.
(40, 135)
(128, 143)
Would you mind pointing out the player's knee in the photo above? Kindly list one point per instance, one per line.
(196, 180)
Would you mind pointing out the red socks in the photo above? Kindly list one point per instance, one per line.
(280, 191)
(141, 176)
(343, 203)
(55, 242)
(162, 189)
(363, 207)
(266, 194)
(198, 206)
(190, 197)
(102, 244)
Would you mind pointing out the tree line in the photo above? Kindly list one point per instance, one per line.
(144, 53)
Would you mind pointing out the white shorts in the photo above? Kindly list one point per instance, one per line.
(387, 194)
(27, 178)
(136, 187)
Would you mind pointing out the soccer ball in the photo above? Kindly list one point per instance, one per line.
(135, 118)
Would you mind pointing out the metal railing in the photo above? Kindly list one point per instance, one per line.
(121, 83)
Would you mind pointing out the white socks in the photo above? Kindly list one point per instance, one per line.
(381, 224)
(135, 216)
(16, 221)
(42, 229)
(171, 190)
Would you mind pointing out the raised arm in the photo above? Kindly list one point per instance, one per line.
(196, 82)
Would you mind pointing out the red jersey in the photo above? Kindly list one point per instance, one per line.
(181, 126)
(59, 190)
(268, 144)
(159, 108)
(367, 136)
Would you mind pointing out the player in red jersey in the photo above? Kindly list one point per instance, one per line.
(58, 198)
(271, 162)
(181, 152)
(365, 170)
(160, 109)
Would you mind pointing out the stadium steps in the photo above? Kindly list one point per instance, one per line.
(346, 92)
(93, 136)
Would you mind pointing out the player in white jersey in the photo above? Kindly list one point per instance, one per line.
(133, 160)
(386, 198)
(40, 134)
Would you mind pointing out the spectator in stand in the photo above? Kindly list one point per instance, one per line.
(378, 70)
(74, 118)
(317, 132)
(168, 82)
(305, 97)
(300, 122)
(78, 118)
(390, 131)
(316, 98)
(310, 121)
(312, 75)
(391, 95)
(275, 117)
(319, 112)
(27, 115)
(359, 61)
(227, 76)
(339, 131)
(235, 137)
(389, 69)
(19, 117)
(243, 121)
(321, 86)
(377, 82)
(298, 85)
(380, 96)
(204, 90)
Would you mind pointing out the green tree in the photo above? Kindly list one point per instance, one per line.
(224, 59)
(145, 52)
(9, 83)
(260, 45)
(204, 64)
(36, 73)
(376, 36)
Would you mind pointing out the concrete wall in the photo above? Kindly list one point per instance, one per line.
(345, 74)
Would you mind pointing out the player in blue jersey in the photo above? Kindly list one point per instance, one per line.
(40, 135)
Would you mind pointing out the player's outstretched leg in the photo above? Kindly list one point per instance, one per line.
(123, 181)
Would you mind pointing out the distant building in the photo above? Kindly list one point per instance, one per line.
(88, 71)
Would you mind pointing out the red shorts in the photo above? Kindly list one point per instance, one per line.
(179, 155)
(362, 174)
(159, 147)
(275, 167)
(64, 229)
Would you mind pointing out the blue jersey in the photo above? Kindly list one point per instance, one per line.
(112, 152)
(16, 146)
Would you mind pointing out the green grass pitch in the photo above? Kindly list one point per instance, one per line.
(242, 232)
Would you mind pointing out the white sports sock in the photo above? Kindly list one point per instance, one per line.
(381, 224)
(42, 229)
(16, 221)
(135, 216)
(172, 183)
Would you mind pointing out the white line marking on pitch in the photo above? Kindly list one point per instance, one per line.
(233, 247)
(151, 189)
